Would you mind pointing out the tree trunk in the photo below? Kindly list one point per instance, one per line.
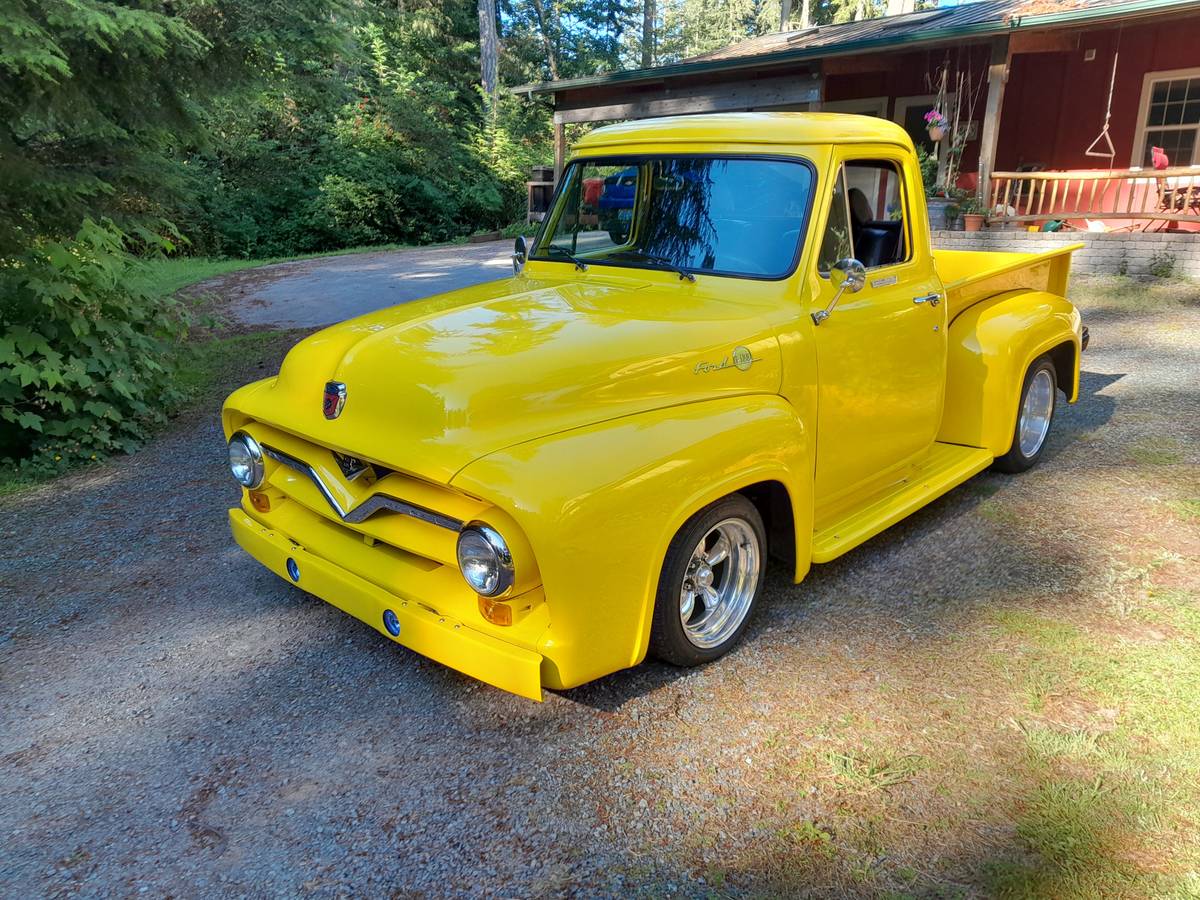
(548, 39)
(648, 16)
(806, 14)
(488, 48)
(785, 14)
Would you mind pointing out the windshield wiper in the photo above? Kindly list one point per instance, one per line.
(651, 258)
(562, 251)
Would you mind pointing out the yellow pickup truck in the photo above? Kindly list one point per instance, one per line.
(729, 342)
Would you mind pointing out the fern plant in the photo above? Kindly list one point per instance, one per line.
(84, 356)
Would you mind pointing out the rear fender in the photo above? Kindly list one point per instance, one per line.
(991, 345)
(601, 504)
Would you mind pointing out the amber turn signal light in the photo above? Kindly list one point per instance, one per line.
(495, 612)
(260, 501)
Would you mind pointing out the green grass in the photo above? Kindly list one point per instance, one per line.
(13, 482)
(1112, 807)
(202, 369)
(1188, 510)
(811, 835)
(1157, 450)
(1121, 294)
(161, 277)
(866, 771)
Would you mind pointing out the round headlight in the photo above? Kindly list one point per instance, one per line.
(484, 560)
(246, 460)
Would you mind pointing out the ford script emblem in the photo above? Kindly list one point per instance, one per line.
(335, 399)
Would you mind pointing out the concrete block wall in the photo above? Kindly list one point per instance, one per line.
(1103, 254)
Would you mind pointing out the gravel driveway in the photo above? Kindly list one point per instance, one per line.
(311, 293)
(178, 721)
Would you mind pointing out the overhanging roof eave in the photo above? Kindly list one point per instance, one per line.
(912, 39)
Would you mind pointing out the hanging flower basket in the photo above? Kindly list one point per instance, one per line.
(936, 123)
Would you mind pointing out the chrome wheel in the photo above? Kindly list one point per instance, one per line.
(719, 583)
(1036, 411)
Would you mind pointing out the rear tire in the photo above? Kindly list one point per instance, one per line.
(711, 579)
(1035, 411)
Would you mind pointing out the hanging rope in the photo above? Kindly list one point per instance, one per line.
(1104, 137)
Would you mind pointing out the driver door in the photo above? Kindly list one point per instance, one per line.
(881, 354)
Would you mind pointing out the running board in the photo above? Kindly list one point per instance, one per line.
(948, 465)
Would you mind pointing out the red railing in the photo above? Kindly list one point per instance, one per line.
(1168, 195)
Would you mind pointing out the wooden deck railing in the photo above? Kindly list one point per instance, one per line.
(1145, 194)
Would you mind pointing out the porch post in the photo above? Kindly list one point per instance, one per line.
(997, 76)
(818, 74)
(560, 147)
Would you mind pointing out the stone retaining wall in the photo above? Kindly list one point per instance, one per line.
(1104, 254)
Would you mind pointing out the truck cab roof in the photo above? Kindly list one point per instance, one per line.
(750, 128)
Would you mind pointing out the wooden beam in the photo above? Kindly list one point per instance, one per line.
(997, 76)
(1042, 42)
(819, 76)
(668, 99)
(560, 149)
(858, 65)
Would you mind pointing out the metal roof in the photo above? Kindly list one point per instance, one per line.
(970, 20)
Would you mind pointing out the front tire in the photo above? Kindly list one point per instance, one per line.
(710, 581)
(1034, 414)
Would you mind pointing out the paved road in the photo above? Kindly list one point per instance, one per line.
(316, 292)
(176, 720)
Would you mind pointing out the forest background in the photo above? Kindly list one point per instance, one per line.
(251, 129)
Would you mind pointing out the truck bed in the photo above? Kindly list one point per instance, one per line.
(973, 275)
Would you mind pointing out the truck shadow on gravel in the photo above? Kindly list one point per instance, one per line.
(907, 570)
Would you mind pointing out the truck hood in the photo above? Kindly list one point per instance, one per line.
(435, 384)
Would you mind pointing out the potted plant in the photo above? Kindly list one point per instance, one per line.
(972, 212)
(936, 123)
(953, 214)
(936, 200)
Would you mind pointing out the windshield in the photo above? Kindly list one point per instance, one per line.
(722, 216)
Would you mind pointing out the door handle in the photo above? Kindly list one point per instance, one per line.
(932, 299)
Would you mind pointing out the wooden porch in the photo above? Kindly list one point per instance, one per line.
(1137, 198)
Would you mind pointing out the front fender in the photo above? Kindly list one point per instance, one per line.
(991, 345)
(600, 505)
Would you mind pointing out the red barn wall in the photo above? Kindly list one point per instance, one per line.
(898, 75)
(1054, 102)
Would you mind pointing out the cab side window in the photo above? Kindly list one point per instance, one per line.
(836, 243)
(867, 219)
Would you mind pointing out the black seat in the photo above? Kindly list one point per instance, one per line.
(876, 241)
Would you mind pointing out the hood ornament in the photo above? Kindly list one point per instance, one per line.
(334, 399)
(351, 466)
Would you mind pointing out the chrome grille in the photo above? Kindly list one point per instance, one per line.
(370, 506)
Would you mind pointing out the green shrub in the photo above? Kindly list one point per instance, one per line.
(929, 170)
(84, 361)
(1162, 264)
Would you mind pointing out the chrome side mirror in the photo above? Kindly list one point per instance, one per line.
(845, 275)
(520, 254)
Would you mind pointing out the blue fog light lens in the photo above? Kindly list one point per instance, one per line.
(293, 569)
(391, 623)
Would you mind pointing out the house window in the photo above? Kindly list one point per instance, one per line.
(1170, 118)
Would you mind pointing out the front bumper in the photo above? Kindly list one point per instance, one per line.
(438, 637)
